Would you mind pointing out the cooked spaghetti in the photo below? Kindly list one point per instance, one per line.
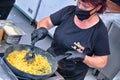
(40, 66)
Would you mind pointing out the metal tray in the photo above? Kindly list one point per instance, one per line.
(12, 33)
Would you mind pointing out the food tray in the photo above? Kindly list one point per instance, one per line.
(12, 33)
(5, 72)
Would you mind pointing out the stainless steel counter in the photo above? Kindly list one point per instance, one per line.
(5, 72)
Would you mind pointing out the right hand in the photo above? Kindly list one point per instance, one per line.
(75, 56)
(38, 34)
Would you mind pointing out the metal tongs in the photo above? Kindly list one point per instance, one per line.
(30, 55)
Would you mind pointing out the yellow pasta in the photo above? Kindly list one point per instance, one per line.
(40, 66)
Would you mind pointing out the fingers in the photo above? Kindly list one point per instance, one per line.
(33, 35)
(40, 36)
(68, 53)
(34, 41)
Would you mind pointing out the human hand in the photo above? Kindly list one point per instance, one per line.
(38, 34)
(75, 56)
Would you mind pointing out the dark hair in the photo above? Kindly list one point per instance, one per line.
(95, 3)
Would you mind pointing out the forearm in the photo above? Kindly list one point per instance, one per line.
(46, 22)
(96, 61)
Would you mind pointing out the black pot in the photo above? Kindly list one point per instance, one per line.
(17, 72)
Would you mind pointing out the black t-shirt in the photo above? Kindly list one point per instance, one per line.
(93, 39)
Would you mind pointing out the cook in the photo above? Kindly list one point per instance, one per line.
(80, 34)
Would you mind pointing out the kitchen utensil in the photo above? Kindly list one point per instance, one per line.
(30, 55)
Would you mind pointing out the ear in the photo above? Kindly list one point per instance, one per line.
(98, 7)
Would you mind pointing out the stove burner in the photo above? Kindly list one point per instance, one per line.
(22, 78)
(55, 76)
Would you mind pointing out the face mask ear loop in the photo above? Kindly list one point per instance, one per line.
(94, 12)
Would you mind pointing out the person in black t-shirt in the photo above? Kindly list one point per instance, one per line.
(5, 8)
(81, 35)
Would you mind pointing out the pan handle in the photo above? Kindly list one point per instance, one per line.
(60, 57)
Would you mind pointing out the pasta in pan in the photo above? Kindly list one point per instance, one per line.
(40, 66)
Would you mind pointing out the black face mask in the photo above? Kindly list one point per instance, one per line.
(82, 14)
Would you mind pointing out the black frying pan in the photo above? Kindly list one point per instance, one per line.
(20, 47)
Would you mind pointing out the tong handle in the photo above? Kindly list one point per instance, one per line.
(30, 55)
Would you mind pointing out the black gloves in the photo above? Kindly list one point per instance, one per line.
(75, 56)
(38, 34)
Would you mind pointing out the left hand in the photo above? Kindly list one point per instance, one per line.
(75, 56)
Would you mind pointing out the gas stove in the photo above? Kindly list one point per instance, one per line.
(55, 76)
